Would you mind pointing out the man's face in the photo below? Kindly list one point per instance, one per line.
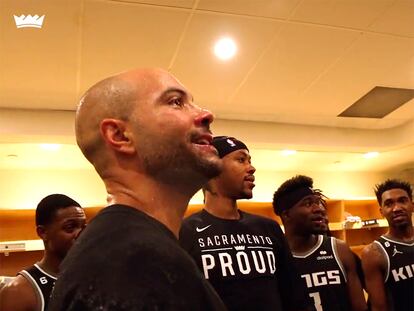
(397, 207)
(308, 216)
(236, 180)
(65, 227)
(173, 137)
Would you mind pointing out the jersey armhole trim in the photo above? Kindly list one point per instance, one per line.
(36, 287)
(44, 272)
(387, 258)
(337, 258)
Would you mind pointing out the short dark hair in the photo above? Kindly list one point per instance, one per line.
(392, 184)
(289, 186)
(48, 206)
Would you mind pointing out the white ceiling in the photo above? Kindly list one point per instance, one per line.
(300, 62)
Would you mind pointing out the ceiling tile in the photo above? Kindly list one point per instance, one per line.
(398, 19)
(120, 36)
(346, 13)
(38, 67)
(265, 8)
(212, 81)
(358, 72)
(171, 3)
(299, 55)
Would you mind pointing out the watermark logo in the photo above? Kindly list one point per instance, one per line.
(25, 21)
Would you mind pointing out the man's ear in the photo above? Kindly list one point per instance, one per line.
(42, 232)
(117, 136)
(380, 210)
(285, 215)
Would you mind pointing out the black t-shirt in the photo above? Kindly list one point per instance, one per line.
(127, 260)
(324, 275)
(248, 261)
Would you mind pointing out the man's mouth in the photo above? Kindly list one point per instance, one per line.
(204, 139)
(204, 142)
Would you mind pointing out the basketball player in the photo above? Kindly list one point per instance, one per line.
(59, 220)
(388, 262)
(151, 145)
(327, 265)
(244, 256)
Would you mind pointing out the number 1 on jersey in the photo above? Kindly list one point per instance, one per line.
(316, 300)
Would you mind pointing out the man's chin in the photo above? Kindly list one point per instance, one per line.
(211, 167)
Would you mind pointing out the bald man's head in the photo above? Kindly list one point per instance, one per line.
(114, 97)
(145, 121)
(110, 98)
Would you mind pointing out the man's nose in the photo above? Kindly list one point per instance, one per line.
(204, 117)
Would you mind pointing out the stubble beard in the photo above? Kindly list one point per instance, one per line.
(173, 163)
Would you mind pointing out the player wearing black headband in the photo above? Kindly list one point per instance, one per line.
(244, 256)
(326, 265)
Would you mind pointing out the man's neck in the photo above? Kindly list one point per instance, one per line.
(401, 233)
(301, 243)
(221, 206)
(164, 202)
(50, 263)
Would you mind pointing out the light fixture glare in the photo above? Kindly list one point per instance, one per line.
(50, 147)
(288, 152)
(225, 48)
(371, 155)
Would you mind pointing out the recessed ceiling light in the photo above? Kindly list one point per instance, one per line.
(50, 147)
(372, 154)
(225, 48)
(287, 152)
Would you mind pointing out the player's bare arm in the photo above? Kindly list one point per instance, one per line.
(356, 295)
(374, 265)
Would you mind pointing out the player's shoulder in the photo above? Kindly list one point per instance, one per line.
(18, 290)
(372, 249)
(194, 218)
(258, 219)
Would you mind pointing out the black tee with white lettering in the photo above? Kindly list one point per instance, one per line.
(248, 261)
(399, 279)
(324, 275)
(126, 260)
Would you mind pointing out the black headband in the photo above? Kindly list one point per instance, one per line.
(292, 198)
(226, 145)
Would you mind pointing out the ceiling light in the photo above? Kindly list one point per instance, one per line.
(225, 48)
(287, 152)
(372, 154)
(50, 147)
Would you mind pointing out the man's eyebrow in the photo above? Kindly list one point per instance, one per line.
(175, 90)
(245, 153)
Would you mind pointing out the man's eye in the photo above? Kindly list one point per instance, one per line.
(69, 228)
(176, 102)
(241, 160)
(403, 200)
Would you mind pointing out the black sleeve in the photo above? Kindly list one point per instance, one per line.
(291, 287)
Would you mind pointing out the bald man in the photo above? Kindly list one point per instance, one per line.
(151, 145)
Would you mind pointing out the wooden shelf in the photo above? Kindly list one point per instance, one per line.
(18, 227)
